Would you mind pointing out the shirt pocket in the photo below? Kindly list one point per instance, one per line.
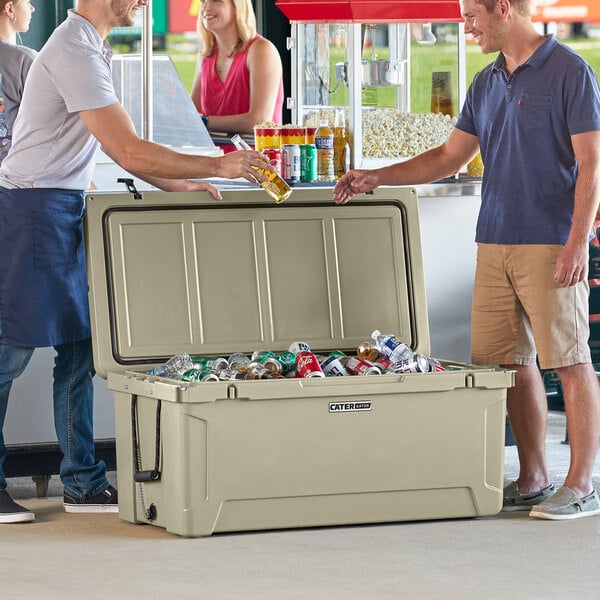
(57, 239)
(534, 110)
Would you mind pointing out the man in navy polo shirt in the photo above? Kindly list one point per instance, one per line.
(535, 115)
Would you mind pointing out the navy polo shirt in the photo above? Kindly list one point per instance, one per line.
(524, 122)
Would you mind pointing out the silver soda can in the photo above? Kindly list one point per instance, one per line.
(417, 363)
(332, 367)
(290, 162)
(210, 376)
(296, 347)
(360, 366)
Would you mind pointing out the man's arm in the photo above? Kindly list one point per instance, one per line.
(113, 128)
(572, 264)
(443, 161)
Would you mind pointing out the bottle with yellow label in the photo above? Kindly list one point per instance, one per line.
(275, 186)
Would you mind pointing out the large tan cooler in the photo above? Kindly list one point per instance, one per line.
(175, 273)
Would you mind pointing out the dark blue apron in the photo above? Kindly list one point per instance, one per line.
(43, 285)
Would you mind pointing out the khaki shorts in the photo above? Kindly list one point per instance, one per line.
(519, 312)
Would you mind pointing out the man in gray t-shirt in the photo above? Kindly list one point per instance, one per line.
(69, 108)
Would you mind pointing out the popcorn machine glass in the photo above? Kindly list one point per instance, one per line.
(396, 68)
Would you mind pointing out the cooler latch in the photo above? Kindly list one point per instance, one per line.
(130, 187)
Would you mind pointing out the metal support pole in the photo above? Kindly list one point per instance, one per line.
(147, 80)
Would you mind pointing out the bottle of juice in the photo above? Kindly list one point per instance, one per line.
(324, 144)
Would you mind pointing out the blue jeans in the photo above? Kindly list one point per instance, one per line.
(73, 394)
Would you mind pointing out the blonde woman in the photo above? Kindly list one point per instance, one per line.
(238, 82)
(15, 16)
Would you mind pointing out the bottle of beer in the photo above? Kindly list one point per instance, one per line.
(275, 186)
(341, 148)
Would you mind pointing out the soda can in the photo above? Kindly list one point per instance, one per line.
(360, 366)
(290, 162)
(337, 353)
(287, 360)
(259, 355)
(258, 371)
(273, 156)
(308, 162)
(333, 367)
(417, 363)
(296, 347)
(436, 365)
(308, 366)
(239, 361)
(208, 363)
(210, 376)
(229, 374)
(192, 375)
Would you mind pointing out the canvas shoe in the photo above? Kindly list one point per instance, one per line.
(566, 504)
(104, 502)
(514, 500)
(11, 512)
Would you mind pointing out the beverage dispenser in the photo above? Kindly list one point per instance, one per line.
(395, 67)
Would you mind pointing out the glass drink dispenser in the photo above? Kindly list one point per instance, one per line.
(400, 82)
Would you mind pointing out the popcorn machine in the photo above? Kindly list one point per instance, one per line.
(396, 68)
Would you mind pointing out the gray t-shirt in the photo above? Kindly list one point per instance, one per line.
(15, 62)
(52, 147)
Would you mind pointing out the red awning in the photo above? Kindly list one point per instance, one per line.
(370, 11)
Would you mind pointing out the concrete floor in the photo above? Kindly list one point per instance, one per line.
(506, 556)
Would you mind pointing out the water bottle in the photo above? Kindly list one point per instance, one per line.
(175, 367)
(275, 185)
(324, 144)
(391, 347)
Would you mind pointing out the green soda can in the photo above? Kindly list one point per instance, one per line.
(308, 162)
(287, 361)
(337, 353)
(210, 363)
(192, 375)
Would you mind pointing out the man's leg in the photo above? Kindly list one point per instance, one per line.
(13, 361)
(582, 407)
(80, 473)
(527, 410)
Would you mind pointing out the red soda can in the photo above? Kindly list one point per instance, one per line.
(307, 365)
(273, 155)
(360, 366)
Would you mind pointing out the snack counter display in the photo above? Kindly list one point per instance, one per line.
(396, 70)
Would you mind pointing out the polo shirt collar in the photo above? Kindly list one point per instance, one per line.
(536, 60)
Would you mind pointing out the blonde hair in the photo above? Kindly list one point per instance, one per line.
(245, 21)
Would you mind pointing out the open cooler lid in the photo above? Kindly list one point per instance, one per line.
(370, 11)
(181, 272)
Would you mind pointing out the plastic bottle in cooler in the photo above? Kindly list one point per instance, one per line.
(275, 185)
(176, 366)
(324, 144)
(391, 347)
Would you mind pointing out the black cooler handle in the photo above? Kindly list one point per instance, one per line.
(139, 475)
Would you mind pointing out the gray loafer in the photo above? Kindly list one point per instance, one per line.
(566, 504)
(514, 500)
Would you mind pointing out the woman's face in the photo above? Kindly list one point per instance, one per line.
(22, 12)
(217, 14)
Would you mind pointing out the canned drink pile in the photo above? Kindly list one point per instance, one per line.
(384, 354)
